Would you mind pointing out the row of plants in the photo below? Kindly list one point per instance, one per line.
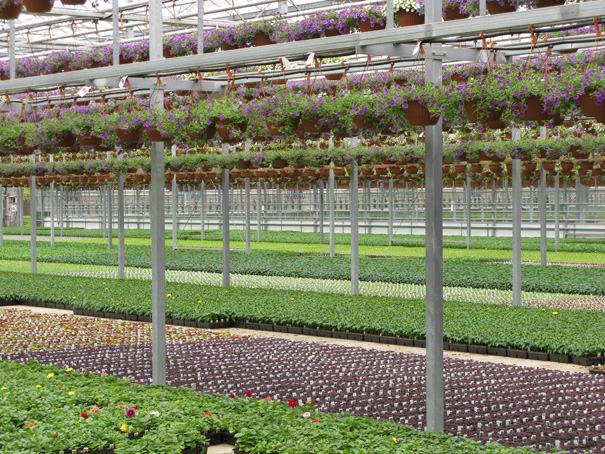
(457, 272)
(273, 30)
(353, 381)
(563, 332)
(365, 239)
(287, 115)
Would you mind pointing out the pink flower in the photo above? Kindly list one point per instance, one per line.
(130, 412)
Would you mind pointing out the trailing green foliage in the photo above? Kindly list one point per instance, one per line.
(568, 332)
(468, 272)
(39, 415)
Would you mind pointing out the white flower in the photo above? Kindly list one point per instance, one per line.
(154, 413)
(306, 414)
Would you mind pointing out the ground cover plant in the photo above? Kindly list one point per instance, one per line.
(50, 410)
(470, 272)
(551, 409)
(566, 332)
(374, 239)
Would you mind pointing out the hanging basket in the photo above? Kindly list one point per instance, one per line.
(494, 7)
(156, 136)
(361, 122)
(588, 104)
(68, 140)
(262, 39)
(11, 12)
(130, 135)
(534, 109)
(335, 76)
(549, 3)
(409, 18)
(330, 32)
(312, 126)
(230, 132)
(38, 6)
(89, 141)
(418, 115)
(453, 13)
(226, 46)
(74, 2)
(367, 26)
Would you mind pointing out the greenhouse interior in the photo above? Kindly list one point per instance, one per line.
(302, 226)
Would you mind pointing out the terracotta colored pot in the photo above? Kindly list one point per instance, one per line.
(494, 7)
(38, 6)
(74, 2)
(453, 13)
(534, 109)
(130, 135)
(11, 12)
(409, 18)
(588, 104)
(549, 3)
(418, 115)
(262, 39)
(366, 26)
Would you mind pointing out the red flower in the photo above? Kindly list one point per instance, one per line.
(31, 425)
(84, 415)
(292, 403)
(316, 420)
(207, 414)
(232, 395)
(136, 407)
(248, 393)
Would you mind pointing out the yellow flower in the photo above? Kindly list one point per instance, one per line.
(106, 288)
(71, 393)
(124, 428)
(37, 386)
(75, 298)
(69, 369)
(3, 388)
(168, 295)
(51, 375)
(199, 301)
(555, 313)
(291, 299)
(395, 439)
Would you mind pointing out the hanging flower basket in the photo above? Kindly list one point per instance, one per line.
(156, 136)
(262, 39)
(229, 132)
(549, 3)
(39, 6)
(335, 76)
(68, 140)
(280, 163)
(588, 104)
(453, 13)
(500, 7)
(311, 126)
(366, 26)
(534, 109)
(409, 18)
(74, 2)
(226, 46)
(10, 12)
(129, 135)
(329, 32)
(549, 165)
(418, 115)
(361, 122)
(89, 141)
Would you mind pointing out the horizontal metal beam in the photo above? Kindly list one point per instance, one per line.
(501, 23)
(436, 50)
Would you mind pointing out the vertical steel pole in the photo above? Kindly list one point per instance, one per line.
(258, 210)
(121, 260)
(468, 212)
(391, 211)
(21, 212)
(52, 213)
(434, 249)
(103, 210)
(109, 215)
(542, 216)
(157, 207)
(115, 21)
(321, 211)
(390, 14)
(494, 207)
(354, 208)
(33, 222)
(200, 26)
(12, 57)
(203, 210)
(226, 244)
(332, 207)
(517, 213)
(247, 208)
(557, 210)
(175, 208)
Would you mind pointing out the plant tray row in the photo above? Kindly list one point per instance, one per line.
(378, 338)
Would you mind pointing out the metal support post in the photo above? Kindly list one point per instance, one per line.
(200, 26)
(321, 211)
(226, 244)
(116, 32)
(1, 215)
(391, 211)
(52, 213)
(203, 210)
(494, 207)
(247, 210)
(390, 14)
(434, 249)
(21, 212)
(12, 57)
(33, 222)
(354, 209)
(103, 211)
(542, 216)
(109, 215)
(121, 259)
(175, 208)
(258, 210)
(468, 211)
(517, 232)
(332, 206)
(557, 210)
